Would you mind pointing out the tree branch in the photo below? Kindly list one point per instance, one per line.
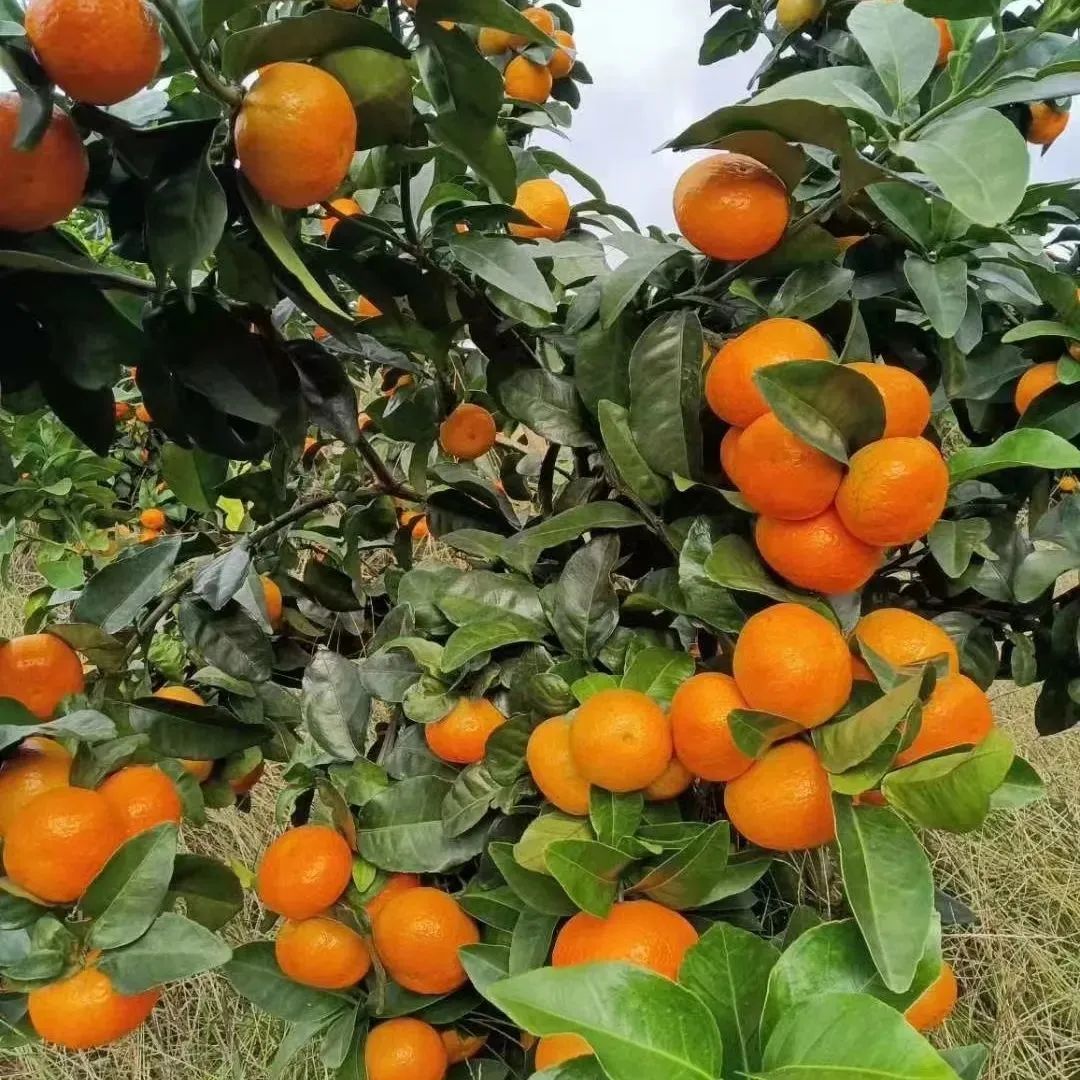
(226, 92)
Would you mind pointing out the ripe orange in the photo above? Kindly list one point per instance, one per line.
(782, 476)
(620, 740)
(957, 713)
(817, 554)
(348, 207)
(731, 207)
(906, 399)
(894, 491)
(56, 844)
(152, 519)
(273, 600)
(295, 135)
(901, 637)
(545, 202)
(792, 662)
(37, 765)
(179, 693)
(562, 63)
(97, 51)
(320, 333)
(41, 186)
(552, 767)
(419, 531)
(461, 1047)
(783, 801)
(142, 796)
(492, 42)
(671, 783)
(945, 41)
(729, 385)
(553, 1050)
(321, 952)
(148, 536)
(404, 1049)
(541, 18)
(934, 1006)
(699, 726)
(417, 935)
(1068, 484)
(461, 735)
(83, 1011)
(1035, 381)
(39, 671)
(860, 670)
(365, 309)
(142, 414)
(304, 871)
(639, 932)
(396, 883)
(199, 769)
(243, 784)
(729, 453)
(526, 81)
(1045, 123)
(122, 410)
(468, 432)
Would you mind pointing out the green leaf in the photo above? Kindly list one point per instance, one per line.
(585, 611)
(952, 543)
(482, 147)
(541, 892)
(1039, 570)
(531, 850)
(548, 404)
(211, 892)
(701, 597)
(193, 476)
(621, 286)
(941, 288)
(1026, 447)
(1040, 328)
(630, 464)
(505, 264)
(956, 9)
(658, 673)
(754, 732)
(522, 551)
(484, 635)
(485, 965)
(734, 564)
(116, 594)
(588, 871)
(229, 639)
(811, 290)
(497, 14)
(638, 1023)
(687, 878)
(853, 89)
(86, 724)
(335, 706)
(472, 795)
(531, 941)
(254, 974)
(202, 732)
(902, 46)
(968, 1061)
(614, 816)
(1021, 787)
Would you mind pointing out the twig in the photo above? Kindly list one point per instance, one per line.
(382, 474)
(226, 92)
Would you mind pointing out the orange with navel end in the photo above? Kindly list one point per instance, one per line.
(142, 796)
(273, 600)
(304, 871)
(59, 841)
(492, 42)
(85, 1011)
(670, 784)
(894, 491)
(295, 135)
(526, 81)
(553, 1050)
(395, 884)
(365, 309)
(957, 713)
(936, 1003)
(321, 952)
(902, 637)
(417, 935)
(562, 62)
(780, 475)
(783, 802)
(729, 385)
(347, 207)
(729, 453)
(731, 207)
(97, 51)
(699, 726)
(152, 519)
(945, 41)
(817, 553)
(461, 736)
(620, 740)
(794, 663)
(41, 186)
(906, 399)
(541, 18)
(39, 671)
(545, 202)
(468, 432)
(639, 932)
(552, 767)
(1035, 381)
(1045, 123)
(37, 765)
(461, 1047)
(404, 1049)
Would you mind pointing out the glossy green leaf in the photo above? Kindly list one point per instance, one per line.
(548, 404)
(254, 974)
(941, 287)
(541, 892)
(585, 608)
(902, 46)
(116, 594)
(614, 816)
(522, 551)
(952, 543)
(531, 850)
(211, 892)
(335, 707)
(811, 290)
(588, 871)
(754, 732)
(687, 878)
(1025, 447)
(630, 464)
(622, 285)
(483, 635)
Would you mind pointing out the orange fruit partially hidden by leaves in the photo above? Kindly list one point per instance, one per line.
(97, 51)
(731, 207)
(639, 932)
(38, 765)
(460, 1046)
(461, 736)
(395, 883)
(273, 600)
(180, 693)
(348, 207)
(729, 453)
(906, 399)
(468, 432)
(699, 726)
(957, 713)
(793, 662)
(553, 1050)
(671, 783)
(321, 952)
(148, 536)
(84, 1010)
(783, 802)
(492, 42)
(620, 740)
(945, 41)
(295, 135)
(553, 769)
(365, 309)
(152, 519)
(419, 530)
(1035, 381)
(936, 1003)
(541, 18)
(142, 796)
(860, 670)
(39, 671)
(902, 637)
(121, 409)
(304, 871)
(241, 785)
(526, 81)
(562, 62)
(404, 1049)
(1045, 123)
(1068, 484)
(198, 768)
(142, 414)
(545, 202)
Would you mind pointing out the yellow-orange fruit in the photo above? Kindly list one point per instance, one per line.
(620, 740)
(553, 1050)
(545, 202)
(404, 1049)
(39, 671)
(461, 736)
(936, 1003)
(902, 637)
(699, 726)
(562, 62)
(906, 399)
(348, 207)
(468, 432)
(1045, 123)
(1035, 381)
(526, 81)
(304, 871)
(553, 769)
(321, 952)
(957, 713)
(670, 784)
(38, 765)
(142, 796)
(492, 42)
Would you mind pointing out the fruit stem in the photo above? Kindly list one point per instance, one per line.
(226, 92)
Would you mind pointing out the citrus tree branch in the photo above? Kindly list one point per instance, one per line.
(225, 92)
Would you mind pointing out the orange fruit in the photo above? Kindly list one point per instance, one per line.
(417, 935)
(199, 769)
(348, 207)
(148, 536)
(243, 784)
(553, 1050)
(461, 1047)
(731, 207)
(894, 491)
(729, 452)
(295, 135)
(562, 62)
(957, 713)
(365, 309)
(817, 554)
(419, 531)
(793, 662)
(552, 767)
(141, 796)
(142, 414)
(934, 1006)
(901, 637)
(304, 871)
(321, 952)
(729, 385)
(56, 844)
(37, 765)
(404, 1049)
(396, 883)
(1068, 484)
(41, 186)
(906, 399)
(468, 432)
(541, 18)
(39, 671)
(639, 932)
(545, 202)
(1035, 381)
(97, 51)
(320, 333)
(492, 42)
(860, 670)
(526, 81)
(671, 783)
(780, 475)
(121, 409)
(179, 693)
(945, 41)
(84, 1011)
(620, 740)
(783, 801)
(461, 736)
(273, 600)
(699, 726)
(1045, 123)
(152, 519)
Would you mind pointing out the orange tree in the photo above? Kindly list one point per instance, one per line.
(737, 527)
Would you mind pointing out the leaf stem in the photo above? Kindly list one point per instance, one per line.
(226, 92)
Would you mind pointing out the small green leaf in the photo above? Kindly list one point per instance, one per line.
(941, 288)
(588, 871)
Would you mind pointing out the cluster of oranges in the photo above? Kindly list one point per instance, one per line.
(822, 526)
(524, 79)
